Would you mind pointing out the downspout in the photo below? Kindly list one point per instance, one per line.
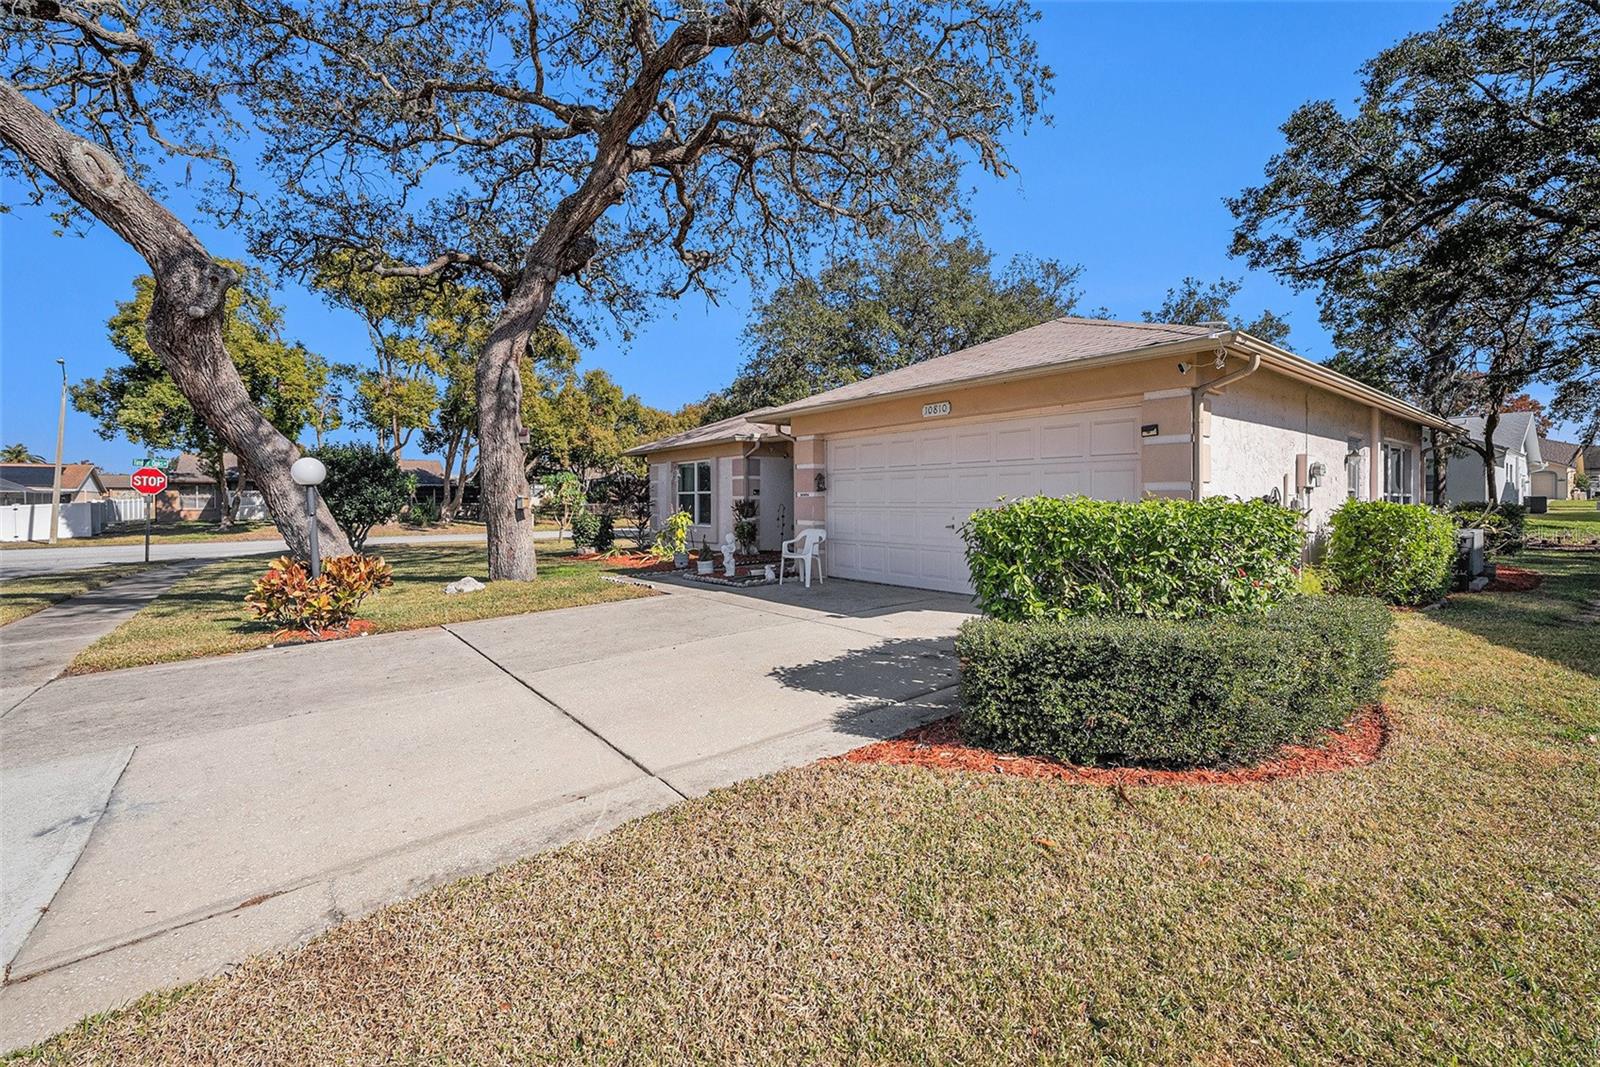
(1197, 397)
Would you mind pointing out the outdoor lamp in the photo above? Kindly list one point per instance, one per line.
(309, 472)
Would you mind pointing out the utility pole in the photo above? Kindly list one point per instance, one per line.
(61, 436)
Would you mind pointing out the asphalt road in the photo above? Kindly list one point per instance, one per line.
(27, 562)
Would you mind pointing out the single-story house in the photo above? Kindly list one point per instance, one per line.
(1516, 455)
(32, 483)
(892, 465)
(429, 476)
(1556, 477)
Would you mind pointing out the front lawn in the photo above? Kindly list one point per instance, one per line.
(1440, 905)
(1567, 518)
(204, 614)
(191, 532)
(21, 597)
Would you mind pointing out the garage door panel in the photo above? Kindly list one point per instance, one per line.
(1061, 439)
(898, 498)
(1114, 437)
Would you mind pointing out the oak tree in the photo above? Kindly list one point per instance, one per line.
(94, 97)
(583, 157)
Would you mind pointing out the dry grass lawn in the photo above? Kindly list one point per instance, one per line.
(21, 597)
(1439, 906)
(204, 614)
(192, 532)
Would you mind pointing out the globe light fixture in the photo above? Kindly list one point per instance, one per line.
(309, 472)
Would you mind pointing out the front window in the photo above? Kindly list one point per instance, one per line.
(1397, 471)
(694, 491)
(196, 498)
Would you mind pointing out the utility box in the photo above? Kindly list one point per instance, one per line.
(1472, 562)
(1537, 505)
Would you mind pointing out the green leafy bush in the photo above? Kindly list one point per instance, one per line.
(605, 532)
(1056, 558)
(424, 512)
(365, 487)
(1199, 692)
(1402, 553)
(585, 528)
(288, 596)
(674, 535)
(1502, 525)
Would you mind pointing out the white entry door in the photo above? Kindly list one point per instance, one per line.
(896, 501)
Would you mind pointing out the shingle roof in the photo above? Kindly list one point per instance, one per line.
(1509, 433)
(36, 476)
(1063, 340)
(427, 471)
(1561, 453)
(738, 428)
(116, 481)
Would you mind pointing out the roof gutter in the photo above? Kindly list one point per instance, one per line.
(1197, 399)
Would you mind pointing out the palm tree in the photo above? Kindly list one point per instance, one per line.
(19, 453)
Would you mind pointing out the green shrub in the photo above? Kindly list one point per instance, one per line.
(1199, 692)
(605, 533)
(1056, 558)
(585, 528)
(674, 537)
(1402, 553)
(288, 596)
(365, 487)
(424, 512)
(1313, 581)
(1502, 525)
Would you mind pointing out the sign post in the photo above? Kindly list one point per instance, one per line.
(151, 481)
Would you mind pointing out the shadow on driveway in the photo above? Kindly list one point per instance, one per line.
(889, 672)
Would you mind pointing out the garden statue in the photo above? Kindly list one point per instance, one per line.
(727, 549)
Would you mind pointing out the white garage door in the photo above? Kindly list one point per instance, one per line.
(897, 500)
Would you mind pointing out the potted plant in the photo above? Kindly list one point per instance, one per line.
(705, 562)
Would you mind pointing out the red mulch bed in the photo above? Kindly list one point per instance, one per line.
(939, 745)
(357, 628)
(1513, 580)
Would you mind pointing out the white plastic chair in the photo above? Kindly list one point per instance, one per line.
(803, 550)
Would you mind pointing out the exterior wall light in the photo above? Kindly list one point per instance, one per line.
(822, 481)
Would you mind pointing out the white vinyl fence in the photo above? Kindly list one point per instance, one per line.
(128, 508)
(31, 522)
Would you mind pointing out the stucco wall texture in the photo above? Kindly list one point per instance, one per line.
(1259, 425)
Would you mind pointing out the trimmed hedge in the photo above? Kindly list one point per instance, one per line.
(1212, 692)
(1056, 558)
(1402, 553)
(1502, 525)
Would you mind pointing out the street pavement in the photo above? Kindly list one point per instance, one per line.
(164, 822)
(28, 562)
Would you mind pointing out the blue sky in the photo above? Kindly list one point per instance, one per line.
(1161, 110)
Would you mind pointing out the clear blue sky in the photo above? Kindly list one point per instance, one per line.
(1161, 110)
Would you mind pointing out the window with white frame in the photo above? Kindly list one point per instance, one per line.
(694, 491)
(1397, 471)
(196, 497)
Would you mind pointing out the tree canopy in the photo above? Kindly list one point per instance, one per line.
(906, 300)
(19, 453)
(1448, 221)
(138, 398)
(1193, 301)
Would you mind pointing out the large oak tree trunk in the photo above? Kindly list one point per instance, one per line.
(502, 479)
(185, 324)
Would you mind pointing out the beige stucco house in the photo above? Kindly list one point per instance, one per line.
(890, 466)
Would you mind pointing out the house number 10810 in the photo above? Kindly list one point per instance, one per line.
(932, 410)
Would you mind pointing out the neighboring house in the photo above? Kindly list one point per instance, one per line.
(1556, 476)
(429, 475)
(191, 493)
(893, 465)
(30, 483)
(1516, 457)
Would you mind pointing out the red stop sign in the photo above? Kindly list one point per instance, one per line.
(149, 480)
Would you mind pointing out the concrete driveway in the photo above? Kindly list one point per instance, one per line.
(161, 823)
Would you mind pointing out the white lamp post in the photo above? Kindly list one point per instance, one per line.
(309, 472)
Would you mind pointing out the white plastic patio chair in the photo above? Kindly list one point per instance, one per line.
(803, 550)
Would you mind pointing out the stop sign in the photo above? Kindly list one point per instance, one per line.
(149, 480)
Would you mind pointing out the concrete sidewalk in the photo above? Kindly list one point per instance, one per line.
(40, 646)
(264, 796)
